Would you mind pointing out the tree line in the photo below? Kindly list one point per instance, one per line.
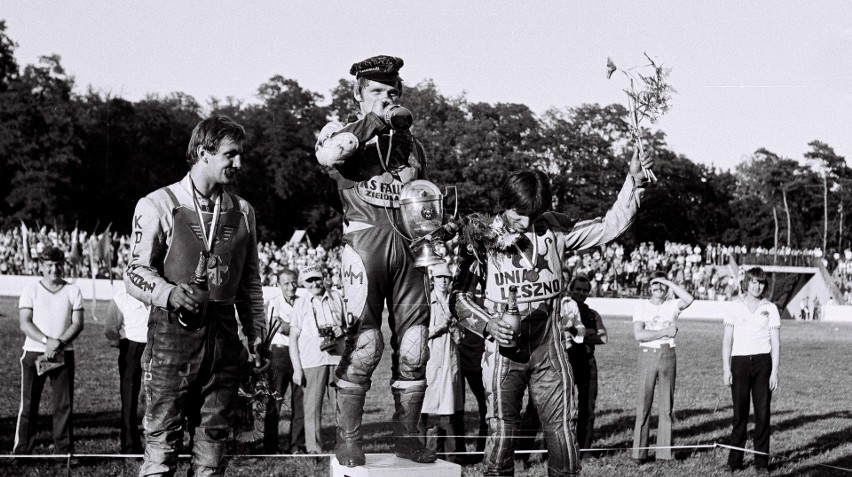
(86, 158)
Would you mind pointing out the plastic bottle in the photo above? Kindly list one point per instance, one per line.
(200, 293)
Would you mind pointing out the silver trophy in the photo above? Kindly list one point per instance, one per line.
(422, 211)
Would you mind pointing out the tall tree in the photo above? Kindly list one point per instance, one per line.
(42, 154)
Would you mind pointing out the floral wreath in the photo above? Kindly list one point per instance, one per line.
(482, 233)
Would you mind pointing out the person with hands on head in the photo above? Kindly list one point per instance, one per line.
(51, 317)
(751, 348)
(655, 328)
(533, 264)
(191, 369)
(370, 159)
(316, 333)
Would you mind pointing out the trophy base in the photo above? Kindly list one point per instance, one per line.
(426, 257)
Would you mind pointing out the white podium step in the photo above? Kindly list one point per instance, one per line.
(389, 465)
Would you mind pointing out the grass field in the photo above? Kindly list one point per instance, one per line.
(811, 416)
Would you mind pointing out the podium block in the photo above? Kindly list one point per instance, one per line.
(389, 465)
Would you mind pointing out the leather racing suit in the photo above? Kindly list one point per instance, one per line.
(192, 375)
(370, 164)
(540, 361)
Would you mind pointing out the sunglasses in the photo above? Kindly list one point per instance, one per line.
(313, 279)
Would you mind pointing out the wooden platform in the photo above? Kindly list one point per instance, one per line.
(389, 465)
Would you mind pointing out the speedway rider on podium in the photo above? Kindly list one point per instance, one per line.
(370, 159)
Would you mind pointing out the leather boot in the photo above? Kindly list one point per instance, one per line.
(350, 408)
(408, 403)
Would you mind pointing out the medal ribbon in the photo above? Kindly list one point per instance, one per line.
(205, 238)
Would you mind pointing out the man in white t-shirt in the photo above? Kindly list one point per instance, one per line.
(126, 328)
(281, 369)
(655, 327)
(750, 352)
(51, 316)
(318, 321)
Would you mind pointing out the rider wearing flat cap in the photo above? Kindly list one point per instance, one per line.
(371, 158)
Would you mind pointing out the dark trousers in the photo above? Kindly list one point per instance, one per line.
(473, 377)
(190, 380)
(585, 369)
(750, 379)
(281, 377)
(130, 379)
(62, 385)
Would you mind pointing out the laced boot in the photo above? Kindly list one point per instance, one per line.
(350, 408)
(408, 403)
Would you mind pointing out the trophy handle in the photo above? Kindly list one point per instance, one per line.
(456, 195)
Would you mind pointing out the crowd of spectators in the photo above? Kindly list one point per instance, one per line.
(615, 271)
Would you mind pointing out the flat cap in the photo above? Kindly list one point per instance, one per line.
(380, 68)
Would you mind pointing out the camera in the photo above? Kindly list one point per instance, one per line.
(329, 341)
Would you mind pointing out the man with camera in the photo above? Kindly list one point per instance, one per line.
(316, 334)
(370, 159)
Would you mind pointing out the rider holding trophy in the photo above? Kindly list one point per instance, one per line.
(371, 159)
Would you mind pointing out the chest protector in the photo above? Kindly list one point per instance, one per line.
(538, 284)
(225, 265)
(367, 181)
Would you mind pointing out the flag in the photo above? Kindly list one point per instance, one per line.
(103, 251)
(25, 243)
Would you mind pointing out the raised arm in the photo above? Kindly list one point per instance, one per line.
(684, 298)
(589, 233)
(337, 143)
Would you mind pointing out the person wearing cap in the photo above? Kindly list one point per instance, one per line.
(370, 159)
(319, 318)
(655, 327)
(443, 387)
(190, 366)
(51, 317)
(281, 368)
(532, 265)
(126, 328)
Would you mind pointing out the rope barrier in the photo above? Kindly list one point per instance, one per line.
(716, 445)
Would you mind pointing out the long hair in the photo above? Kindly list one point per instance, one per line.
(528, 192)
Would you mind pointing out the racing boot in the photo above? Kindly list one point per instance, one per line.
(350, 408)
(408, 403)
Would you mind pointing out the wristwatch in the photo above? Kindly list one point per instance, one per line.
(44, 339)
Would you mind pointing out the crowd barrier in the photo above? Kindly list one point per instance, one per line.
(11, 285)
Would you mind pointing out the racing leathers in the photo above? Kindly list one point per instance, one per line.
(190, 376)
(540, 361)
(370, 163)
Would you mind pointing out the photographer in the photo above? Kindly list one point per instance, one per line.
(316, 334)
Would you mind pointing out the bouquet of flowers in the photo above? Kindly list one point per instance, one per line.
(482, 232)
(650, 102)
(256, 393)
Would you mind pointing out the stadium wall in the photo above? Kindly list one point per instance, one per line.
(608, 307)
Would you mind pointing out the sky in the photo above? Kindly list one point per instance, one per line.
(773, 74)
